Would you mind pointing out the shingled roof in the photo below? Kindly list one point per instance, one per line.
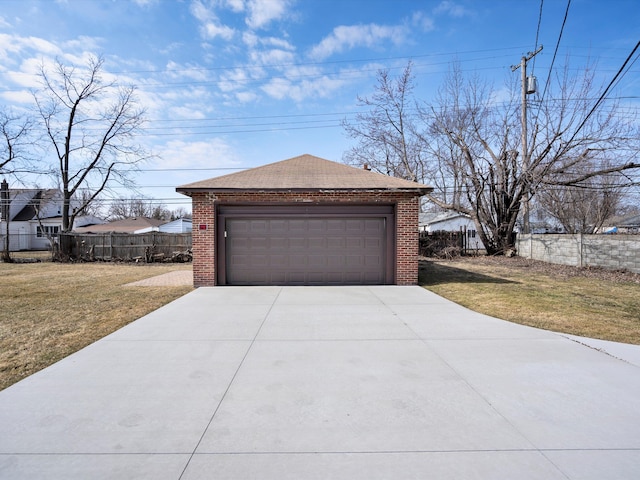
(305, 172)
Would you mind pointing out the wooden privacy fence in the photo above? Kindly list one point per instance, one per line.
(145, 247)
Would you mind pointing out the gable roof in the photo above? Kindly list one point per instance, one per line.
(30, 201)
(305, 172)
(433, 218)
(127, 225)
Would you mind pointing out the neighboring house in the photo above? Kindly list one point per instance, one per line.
(305, 221)
(629, 225)
(181, 225)
(451, 222)
(127, 225)
(35, 217)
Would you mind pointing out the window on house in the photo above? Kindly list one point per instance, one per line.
(47, 231)
(471, 233)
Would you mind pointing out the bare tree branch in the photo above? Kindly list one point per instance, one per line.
(92, 126)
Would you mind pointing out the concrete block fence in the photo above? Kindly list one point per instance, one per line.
(615, 252)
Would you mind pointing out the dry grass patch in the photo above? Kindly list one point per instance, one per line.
(50, 310)
(592, 303)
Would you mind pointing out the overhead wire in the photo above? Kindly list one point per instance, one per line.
(533, 64)
(618, 75)
(553, 60)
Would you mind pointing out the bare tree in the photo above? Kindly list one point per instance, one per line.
(180, 212)
(15, 139)
(138, 207)
(92, 204)
(584, 208)
(474, 141)
(386, 132)
(474, 133)
(92, 125)
(467, 143)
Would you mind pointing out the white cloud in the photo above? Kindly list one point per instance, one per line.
(145, 3)
(277, 88)
(272, 57)
(252, 40)
(186, 111)
(451, 8)
(263, 12)
(210, 27)
(346, 37)
(14, 45)
(83, 43)
(179, 71)
(246, 97)
(423, 22)
(235, 5)
(212, 30)
(233, 80)
(211, 153)
(17, 97)
(323, 87)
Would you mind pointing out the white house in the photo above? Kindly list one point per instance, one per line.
(138, 225)
(34, 217)
(451, 222)
(181, 225)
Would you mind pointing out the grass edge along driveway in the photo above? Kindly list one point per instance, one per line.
(594, 303)
(51, 310)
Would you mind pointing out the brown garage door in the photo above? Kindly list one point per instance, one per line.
(314, 249)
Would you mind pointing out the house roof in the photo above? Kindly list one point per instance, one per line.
(433, 218)
(35, 199)
(631, 221)
(305, 172)
(127, 225)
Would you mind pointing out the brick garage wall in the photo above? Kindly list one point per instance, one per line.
(203, 237)
(407, 208)
(606, 251)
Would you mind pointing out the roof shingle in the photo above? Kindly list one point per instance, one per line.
(304, 172)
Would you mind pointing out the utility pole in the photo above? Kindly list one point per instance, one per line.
(526, 90)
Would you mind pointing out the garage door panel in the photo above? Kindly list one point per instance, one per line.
(316, 225)
(305, 251)
(316, 261)
(335, 242)
(371, 243)
(298, 243)
(297, 262)
(276, 260)
(354, 243)
(317, 243)
(256, 227)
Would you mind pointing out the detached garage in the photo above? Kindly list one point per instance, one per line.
(305, 221)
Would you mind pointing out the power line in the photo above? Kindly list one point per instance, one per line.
(606, 90)
(188, 169)
(255, 81)
(328, 62)
(553, 60)
(533, 65)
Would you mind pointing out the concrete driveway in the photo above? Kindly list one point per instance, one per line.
(325, 382)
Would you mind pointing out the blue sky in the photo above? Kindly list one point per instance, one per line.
(230, 84)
